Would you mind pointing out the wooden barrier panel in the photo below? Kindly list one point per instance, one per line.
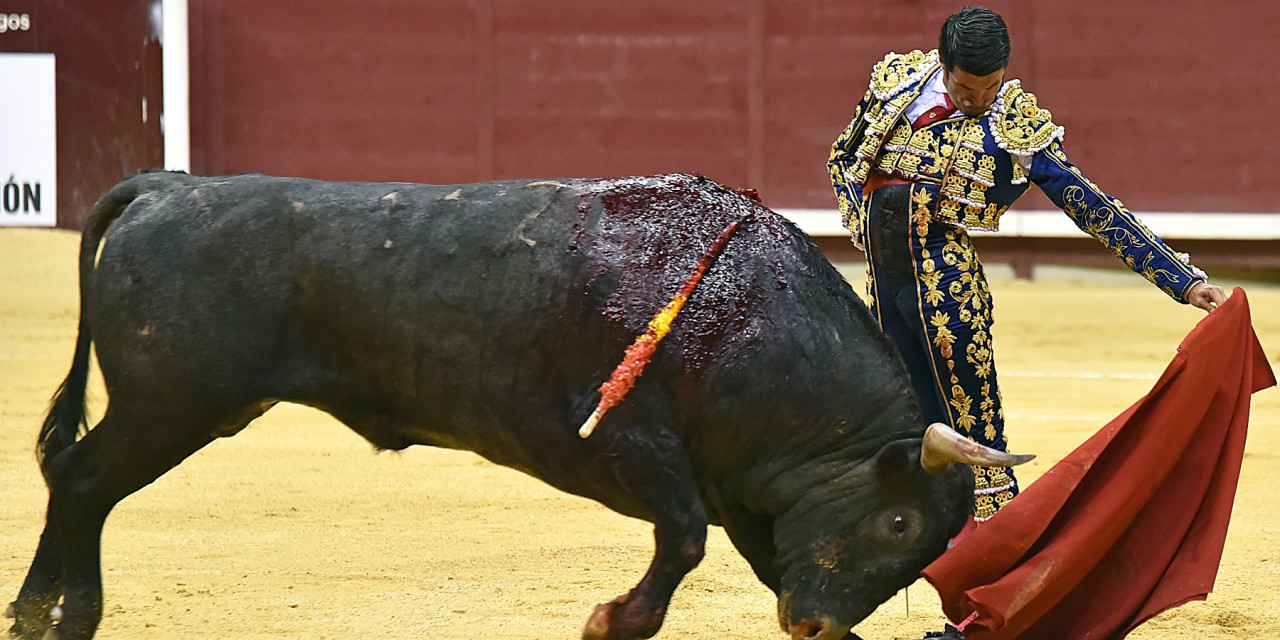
(749, 93)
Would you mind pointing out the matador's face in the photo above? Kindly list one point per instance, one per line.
(972, 94)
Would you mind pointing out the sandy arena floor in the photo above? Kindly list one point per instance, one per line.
(297, 529)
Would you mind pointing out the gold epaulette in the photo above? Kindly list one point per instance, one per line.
(1018, 123)
(898, 70)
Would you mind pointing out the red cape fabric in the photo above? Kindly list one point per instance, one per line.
(1133, 521)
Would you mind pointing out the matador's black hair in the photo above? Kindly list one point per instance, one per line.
(974, 39)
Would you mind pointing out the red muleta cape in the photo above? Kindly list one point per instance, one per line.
(1133, 521)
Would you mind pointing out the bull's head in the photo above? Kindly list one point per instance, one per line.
(857, 542)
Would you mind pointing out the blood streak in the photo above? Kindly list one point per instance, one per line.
(641, 351)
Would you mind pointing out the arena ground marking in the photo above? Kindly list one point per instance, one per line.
(1088, 375)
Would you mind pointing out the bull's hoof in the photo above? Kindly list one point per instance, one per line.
(598, 625)
(29, 624)
(20, 631)
(49, 632)
(624, 619)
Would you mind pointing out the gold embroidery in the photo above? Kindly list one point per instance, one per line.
(948, 210)
(962, 403)
(921, 201)
(965, 172)
(1099, 223)
(843, 168)
(1019, 174)
(847, 213)
(953, 188)
(908, 165)
(1019, 124)
(897, 71)
(993, 488)
(944, 338)
(974, 137)
(987, 170)
(974, 302)
(1122, 234)
(965, 161)
(901, 136)
(923, 143)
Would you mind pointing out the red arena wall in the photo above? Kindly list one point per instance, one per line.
(1160, 101)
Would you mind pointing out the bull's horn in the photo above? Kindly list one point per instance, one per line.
(942, 447)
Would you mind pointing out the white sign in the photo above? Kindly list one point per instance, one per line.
(28, 141)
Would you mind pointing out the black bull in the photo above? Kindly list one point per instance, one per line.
(485, 317)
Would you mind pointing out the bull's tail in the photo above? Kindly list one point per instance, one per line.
(67, 421)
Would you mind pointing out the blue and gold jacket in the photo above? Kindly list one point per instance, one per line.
(976, 167)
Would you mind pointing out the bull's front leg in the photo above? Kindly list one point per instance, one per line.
(660, 478)
(640, 612)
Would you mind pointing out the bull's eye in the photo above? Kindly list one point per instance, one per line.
(898, 527)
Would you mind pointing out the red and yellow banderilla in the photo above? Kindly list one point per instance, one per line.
(641, 351)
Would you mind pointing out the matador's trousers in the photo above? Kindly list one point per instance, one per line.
(929, 294)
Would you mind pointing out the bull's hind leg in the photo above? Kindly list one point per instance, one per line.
(126, 451)
(657, 474)
(39, 592)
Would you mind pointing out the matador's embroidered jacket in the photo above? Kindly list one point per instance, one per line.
(974, 168)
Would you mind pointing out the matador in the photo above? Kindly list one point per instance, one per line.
(942, 144)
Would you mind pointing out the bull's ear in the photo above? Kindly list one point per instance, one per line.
(895, 459)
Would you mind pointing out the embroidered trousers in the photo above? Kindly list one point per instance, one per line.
(928, 291)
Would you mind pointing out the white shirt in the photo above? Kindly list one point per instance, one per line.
(932, 94)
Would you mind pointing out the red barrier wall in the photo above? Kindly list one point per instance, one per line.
(1160, 100)
(109, 92)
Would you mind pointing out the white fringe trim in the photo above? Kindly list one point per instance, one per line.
(991, 490)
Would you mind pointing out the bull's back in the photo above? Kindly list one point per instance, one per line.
(357, 298)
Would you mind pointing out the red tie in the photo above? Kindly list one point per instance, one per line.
(935, 114)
